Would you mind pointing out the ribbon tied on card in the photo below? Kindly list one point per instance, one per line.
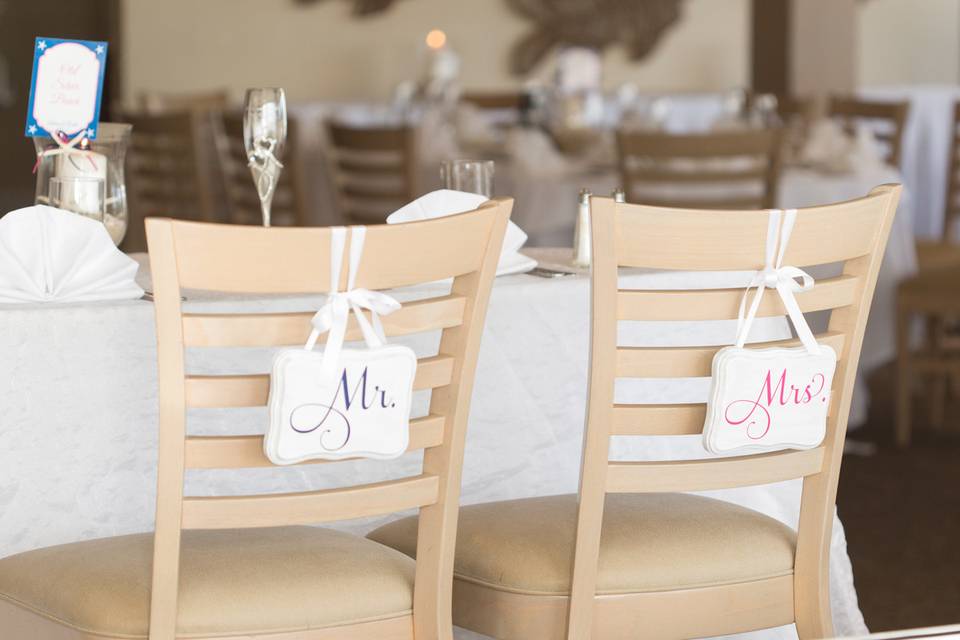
(779, 397)
(342, 402)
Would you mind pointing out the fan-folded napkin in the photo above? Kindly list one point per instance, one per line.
(52, 255)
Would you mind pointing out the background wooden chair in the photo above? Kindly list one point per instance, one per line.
(887, 120)
(728, 170)
(374, 170)
(289, 201)
(932, 295)
(158, 103)
(632, 557)
(166, 173)
(496, 99)
(238, 579)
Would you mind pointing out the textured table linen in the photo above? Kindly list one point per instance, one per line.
(79, 413)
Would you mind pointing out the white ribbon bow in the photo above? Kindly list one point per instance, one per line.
(335, 313)
(788, 281)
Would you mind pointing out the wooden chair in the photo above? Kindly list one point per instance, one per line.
(727, 170)
(496, 99)
(932, 295)
(158, 103)
(236, 567)
(891, 116)
(674, 565)
(166, 175)
(374, 169)
(289, 200)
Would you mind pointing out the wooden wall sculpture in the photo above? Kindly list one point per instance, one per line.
(362, 8)
(636, 24)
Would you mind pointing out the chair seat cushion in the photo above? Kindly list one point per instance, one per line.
(649, 542)
(231, 582)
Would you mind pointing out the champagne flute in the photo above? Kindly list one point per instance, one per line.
(264, 132)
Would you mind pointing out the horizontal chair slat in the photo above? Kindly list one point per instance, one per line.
(716, 473)
(666, 175)
(206, 392)
(284, 329)
(237, 452)
(733, 240)
(720, 202)
(684, 362)
(723, 304)
(328, 505)
(658, 419)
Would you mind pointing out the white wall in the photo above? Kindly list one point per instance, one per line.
(909, 42)
(320, 52)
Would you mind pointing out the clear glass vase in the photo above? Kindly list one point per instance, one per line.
(87, 178)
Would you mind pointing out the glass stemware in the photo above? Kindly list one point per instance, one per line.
(472, 176)
(264, 132)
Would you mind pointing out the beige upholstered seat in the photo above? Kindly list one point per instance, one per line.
(650, 542)
(231, 582)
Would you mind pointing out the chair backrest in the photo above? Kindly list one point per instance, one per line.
(231, 258)
(289, 207)
(374, 170)
(951, 202)
(724, 170)
(887, 120)
(166, 173)
(158, 103)
(853, 233)
(496, 99)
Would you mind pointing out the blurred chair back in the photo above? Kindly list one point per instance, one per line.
(289, 202)
(157, 103)
(887, 120)
(165, 173)
(727, 170)
(496, 100)
(951, 204)
(374, 170)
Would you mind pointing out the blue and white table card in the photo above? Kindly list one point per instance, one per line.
(66, 88)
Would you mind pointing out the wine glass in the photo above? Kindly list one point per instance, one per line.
(264, 132)
(472, 176)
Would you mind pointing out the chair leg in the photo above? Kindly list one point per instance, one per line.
(814, 618)
(938, 386)
(904, 381)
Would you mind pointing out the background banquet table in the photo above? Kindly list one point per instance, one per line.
(78, 444)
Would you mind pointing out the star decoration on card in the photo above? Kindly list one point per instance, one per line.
(32, 129)
(42, 45)
(99, 49)
(91, 133)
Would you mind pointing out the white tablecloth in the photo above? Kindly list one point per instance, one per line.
(78, 397)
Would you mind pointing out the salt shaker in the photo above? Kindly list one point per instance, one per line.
(619, 195)
(581, 236)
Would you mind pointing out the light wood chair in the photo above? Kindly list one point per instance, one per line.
(890, 116)
(674, 565)
(237, 567)
(727, 170)
(374, 170)
(289, 206)
(166, 174)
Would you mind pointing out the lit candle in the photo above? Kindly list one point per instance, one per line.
(79, 181)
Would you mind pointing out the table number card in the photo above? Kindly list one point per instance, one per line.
(66, 87)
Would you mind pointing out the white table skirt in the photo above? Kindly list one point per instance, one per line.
(78, 439)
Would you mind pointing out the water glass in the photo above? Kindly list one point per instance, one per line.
(472, 176)
(85, 196)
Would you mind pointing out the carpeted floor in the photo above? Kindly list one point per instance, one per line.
(901, 512)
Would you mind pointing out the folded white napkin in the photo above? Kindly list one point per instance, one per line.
(446, 202)
(52, 255)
